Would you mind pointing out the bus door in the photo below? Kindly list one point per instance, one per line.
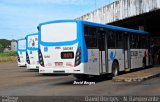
(102, 45)
(126, 51)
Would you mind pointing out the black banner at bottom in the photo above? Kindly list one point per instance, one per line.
(80, 99)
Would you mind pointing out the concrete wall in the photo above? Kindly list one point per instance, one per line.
(13, 45)
(6, 50)
(121, 9)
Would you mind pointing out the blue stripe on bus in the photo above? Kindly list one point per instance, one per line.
(57, 21)
(82, 43)
(21, 51)
(59, 43)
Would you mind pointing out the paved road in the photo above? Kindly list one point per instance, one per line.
(17, 81)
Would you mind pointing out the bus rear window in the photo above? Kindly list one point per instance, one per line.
(33, 41)
(59, 32)
(22, 44)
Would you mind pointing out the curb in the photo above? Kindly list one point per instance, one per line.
(131, 78)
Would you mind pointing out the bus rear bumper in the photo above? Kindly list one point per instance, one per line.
(21, 64)
(64, 70)
(32, 66)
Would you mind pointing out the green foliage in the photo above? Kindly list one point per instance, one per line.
(1, 48)
(4, 54)
(4, 43)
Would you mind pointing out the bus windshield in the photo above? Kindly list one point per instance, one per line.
(22, 44)
(59, 32)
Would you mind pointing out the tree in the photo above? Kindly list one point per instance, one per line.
(1, 47)
(4, 43)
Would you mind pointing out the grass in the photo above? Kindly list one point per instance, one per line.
(6, 54)
(7, 61)
(7, 57)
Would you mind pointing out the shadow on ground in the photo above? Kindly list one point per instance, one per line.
(96, 79)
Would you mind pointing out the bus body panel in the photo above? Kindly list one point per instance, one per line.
(103, 66)
(32, 51)
(22, 56)
(52, 57)
(92, 66)
(137, 56)
(33, 57)
(116, 54)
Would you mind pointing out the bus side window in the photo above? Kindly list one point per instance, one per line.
(111, 40)
(143, 42)
(90, 34)
(101, 39)
(125, 41)
(120, 38)
(134, 41)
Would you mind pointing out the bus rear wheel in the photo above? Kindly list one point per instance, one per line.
(115, 69)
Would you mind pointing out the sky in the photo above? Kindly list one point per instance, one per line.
(21, 17)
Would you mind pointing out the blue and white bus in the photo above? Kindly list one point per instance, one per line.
(21, 52)
(84, 48)
(32, 51)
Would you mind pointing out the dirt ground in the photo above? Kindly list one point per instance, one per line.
(18, 81)
(11, 75)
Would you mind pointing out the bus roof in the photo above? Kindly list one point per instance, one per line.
(99, 25)
(21, 39)
(31, 34)
(115, 27)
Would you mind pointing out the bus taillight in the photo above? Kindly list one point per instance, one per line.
(78, 57)
(18, 57)
(41, 62)
(27, 58)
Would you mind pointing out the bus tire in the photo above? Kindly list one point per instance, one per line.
(115, 69)
(144, 62)
(81, 76)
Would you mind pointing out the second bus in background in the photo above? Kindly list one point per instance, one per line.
(32, 51)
